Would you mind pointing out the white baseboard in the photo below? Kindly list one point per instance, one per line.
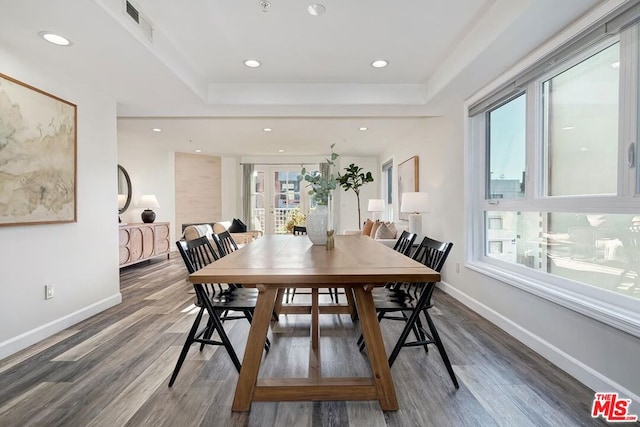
(574, 367)
(33, 336)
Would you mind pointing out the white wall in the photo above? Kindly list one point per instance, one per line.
(80, 259)
(600, 356)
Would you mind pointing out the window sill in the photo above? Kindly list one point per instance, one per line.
(615, 310)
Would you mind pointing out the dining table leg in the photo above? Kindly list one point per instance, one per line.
(278, 305)
(375, 349)
(253, 351)
(314, 351)
(351, 303)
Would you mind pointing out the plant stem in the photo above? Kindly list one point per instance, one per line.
(359, 220)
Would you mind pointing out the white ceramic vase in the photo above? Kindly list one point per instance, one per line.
(317, 225)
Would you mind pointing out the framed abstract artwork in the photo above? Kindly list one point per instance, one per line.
(407, 180)
(38, 144)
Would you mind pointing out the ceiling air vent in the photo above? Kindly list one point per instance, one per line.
(142, 21)
(133, 13)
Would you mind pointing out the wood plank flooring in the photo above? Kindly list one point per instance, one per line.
(113, 370)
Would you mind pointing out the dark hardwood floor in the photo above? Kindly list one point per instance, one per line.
(113, 370)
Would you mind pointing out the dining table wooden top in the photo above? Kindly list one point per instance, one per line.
(294, 260)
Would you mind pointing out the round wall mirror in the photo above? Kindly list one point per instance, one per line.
(124, 189)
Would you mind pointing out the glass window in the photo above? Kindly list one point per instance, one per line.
(602, 250)
(574, 236)
(581, 126)
(495, 223)
(506, 147)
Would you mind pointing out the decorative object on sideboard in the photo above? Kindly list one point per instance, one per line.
(353, 179)
(38, 142)
(148, 202)
(376, 207)
(415, 203)
(407, 179)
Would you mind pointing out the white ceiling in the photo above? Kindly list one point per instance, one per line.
(315, 85)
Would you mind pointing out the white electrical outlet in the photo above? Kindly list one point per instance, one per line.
(457, 267)
(48, 291)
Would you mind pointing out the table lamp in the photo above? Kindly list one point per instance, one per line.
(414, 204)
(376, 206)
(148, 202)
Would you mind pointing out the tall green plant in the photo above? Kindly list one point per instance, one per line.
(353, 179)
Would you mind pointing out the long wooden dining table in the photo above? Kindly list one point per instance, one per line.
(357, 264)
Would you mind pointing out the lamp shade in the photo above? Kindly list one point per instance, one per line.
(148, 201)
(414, 202)
(376, 205)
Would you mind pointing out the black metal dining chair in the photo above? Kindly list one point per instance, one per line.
(225, 243)
(405, 243)
(406, 301)
(215, 301)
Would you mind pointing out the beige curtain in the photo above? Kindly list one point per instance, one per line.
(247, 200)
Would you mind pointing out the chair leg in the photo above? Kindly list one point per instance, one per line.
(186, 346)
(225, 339)
(408, 327)
(443, 353)
(421, 334)
(208, 332)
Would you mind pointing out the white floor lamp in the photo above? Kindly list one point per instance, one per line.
(376, 207)
(415, 204)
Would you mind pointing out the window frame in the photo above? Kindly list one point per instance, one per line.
(617, 310)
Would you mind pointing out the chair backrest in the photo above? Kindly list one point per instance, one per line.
(197, 254)
(432, 253)
(299, 230)
(225, 243)
(405, 242)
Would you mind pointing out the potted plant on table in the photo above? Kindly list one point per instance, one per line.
(353, 179)
(320, 219)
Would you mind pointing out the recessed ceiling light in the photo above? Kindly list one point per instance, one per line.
(363, 128)
(198, 151)
(267, 129)
(54, 38)
(379, 63)
(252, 63)
(568, 128)
(316, 9)
(156, 130)
(615, 64)
(281, 151)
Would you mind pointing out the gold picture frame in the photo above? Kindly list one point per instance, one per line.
(38, 156)
(407, 181)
